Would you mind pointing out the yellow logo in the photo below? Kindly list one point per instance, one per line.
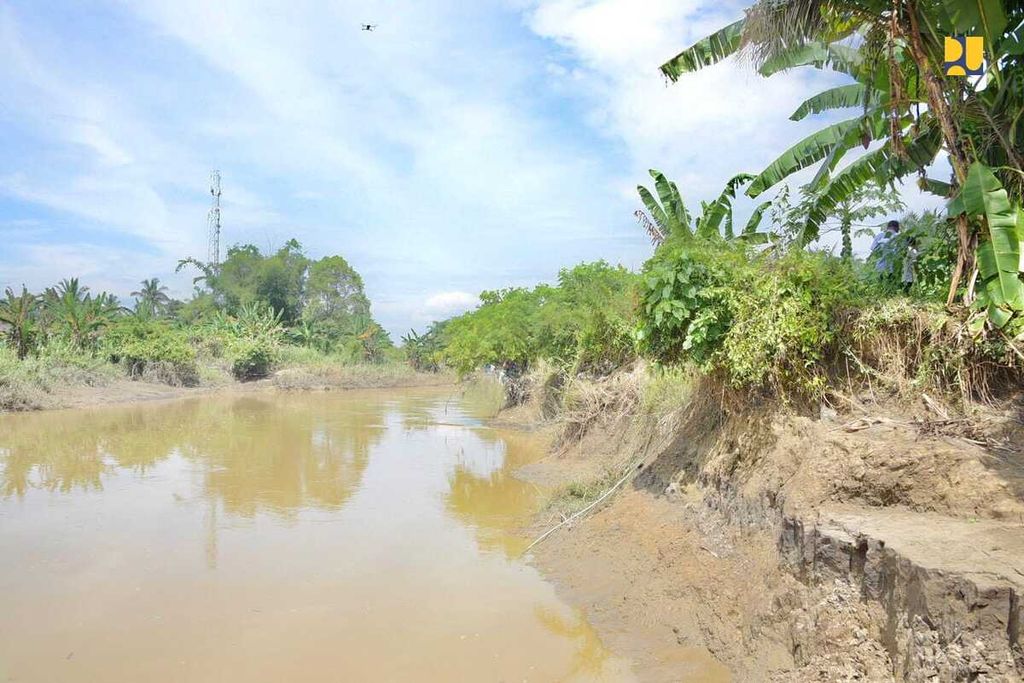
(964, 56)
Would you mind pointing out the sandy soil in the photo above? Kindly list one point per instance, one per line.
(687, 597)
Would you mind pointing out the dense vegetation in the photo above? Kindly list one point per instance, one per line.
(246, 315)
(773, 309)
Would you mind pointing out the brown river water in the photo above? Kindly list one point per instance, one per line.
(353, 536)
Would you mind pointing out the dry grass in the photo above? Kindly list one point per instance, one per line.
(901, 350)
(587, 403)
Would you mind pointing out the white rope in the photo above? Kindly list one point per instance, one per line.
(581, 512)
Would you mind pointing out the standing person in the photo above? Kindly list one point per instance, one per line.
(882, 247)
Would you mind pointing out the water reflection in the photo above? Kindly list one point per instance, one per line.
(484, 493)
(255, 537)
(590, 657)
(255, 453)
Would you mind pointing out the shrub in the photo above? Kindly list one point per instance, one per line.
(152, 350)
(684, 308)
(21, 387)
(583, 324)
(764, 320)
(251, 357)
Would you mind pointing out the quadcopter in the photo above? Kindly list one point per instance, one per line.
(368, 27)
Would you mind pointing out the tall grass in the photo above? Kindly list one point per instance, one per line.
(28, 384)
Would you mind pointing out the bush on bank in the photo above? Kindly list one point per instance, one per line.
(780, 321)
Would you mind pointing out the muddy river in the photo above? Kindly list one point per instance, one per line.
(355, 536)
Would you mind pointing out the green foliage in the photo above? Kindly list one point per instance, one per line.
(18, 314)
(762, 320)
(864, 202)
(322, 304)
(933, 238)
(152, 349)
(425, 352)
(684, 313)
(151, 298)
(251, 358)
(248, 277)
(1000, 290)
(334, 302)
(70, 310)
(583, 323)
(894, 59)
(671, 215)
(672, 221)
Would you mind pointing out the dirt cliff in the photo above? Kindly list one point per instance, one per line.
(881, 541)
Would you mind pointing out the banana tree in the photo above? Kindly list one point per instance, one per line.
(894, 52)
(81, 315)
(670, 216)
(671, 219)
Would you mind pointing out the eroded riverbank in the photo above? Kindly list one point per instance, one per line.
(789, 547)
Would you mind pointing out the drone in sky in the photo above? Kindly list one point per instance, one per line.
(368, 27)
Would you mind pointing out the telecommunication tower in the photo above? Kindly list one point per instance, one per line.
(213, 257)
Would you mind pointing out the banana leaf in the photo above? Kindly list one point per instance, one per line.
(657, 213)
(999, 255)
(881, 166)
(974, 17)
(818, 146)
(841, 97)
(717, 210)
(936, 187)
(755, 220)
(837, 57)
(705, 52)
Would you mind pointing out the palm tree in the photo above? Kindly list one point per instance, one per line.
(894, 51)
(151, 297)
(17, 313)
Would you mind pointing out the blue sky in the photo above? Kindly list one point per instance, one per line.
(458, 147)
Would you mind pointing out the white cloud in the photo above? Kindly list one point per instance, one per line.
(446, 304)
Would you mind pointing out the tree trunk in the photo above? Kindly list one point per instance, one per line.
(943, 114)
(846, 228)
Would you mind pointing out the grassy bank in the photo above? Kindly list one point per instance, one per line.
(41, 383)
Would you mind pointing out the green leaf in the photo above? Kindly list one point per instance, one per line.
(705, 52)
(998, 256)
(841, 97)
(837, 57)
(817, 146)
(881, 166)
(679, 208)
(755, 219)
(717, 210)
(936, 187)
(657, 213)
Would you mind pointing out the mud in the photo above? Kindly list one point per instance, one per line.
(799, 548)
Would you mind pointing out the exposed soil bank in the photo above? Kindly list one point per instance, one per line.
(882, 544)
(291, 379)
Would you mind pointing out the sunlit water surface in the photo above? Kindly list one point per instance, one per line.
(357, 536)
